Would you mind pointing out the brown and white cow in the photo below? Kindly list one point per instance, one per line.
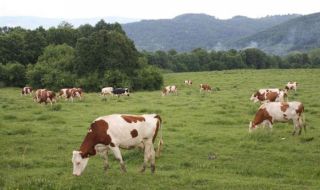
(269, 95)
(188, 82)
(169, 89)
(205, 87)
(43, 95)
(26, 90)
(70, 93)
(119, 131)
(271, 112)
(291, 86)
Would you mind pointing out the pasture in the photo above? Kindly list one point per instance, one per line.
(206, 139)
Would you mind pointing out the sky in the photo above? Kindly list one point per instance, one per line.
(154, 9)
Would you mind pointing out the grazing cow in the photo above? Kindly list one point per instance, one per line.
(37, 94)
(268, 113)
(291, 86)
(70, 93)
(119, 131)
(188, 82)
(169, 89)
(26, 90)
(121, 91)
(205, 87)
(269, 95)
(43, 95)
(106, 91)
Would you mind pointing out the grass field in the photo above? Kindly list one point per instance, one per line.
(36, 141)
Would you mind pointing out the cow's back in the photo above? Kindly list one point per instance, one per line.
(129, 130)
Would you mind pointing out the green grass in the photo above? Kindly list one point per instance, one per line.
(36, 141)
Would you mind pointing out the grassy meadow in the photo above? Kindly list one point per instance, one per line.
(206, 139)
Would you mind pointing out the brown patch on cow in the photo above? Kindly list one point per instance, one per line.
(112, 144)
(272, 96)
(285, 116)
(97, 135)
(260, 116)
(284, 106)
(132, 118)
(300, 109)
(205, 87)
(259, 96)
(134, 133)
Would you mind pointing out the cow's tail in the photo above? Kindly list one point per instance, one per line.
(303, 119)
(160, 143)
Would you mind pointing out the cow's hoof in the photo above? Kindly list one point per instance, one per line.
(143, 169)
(153, 168)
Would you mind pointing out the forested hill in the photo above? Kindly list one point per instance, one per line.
(300, 33)
(190, 31)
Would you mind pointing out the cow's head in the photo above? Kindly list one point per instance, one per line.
(79, 163)
(254, 98)
(126, 92)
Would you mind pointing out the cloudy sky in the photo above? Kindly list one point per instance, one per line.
(154, 9)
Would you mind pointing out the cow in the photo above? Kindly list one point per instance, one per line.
(188, 82)
(271, 112)
(120, 91)
(119, 131)
(70, 93)
(291, 86)
(170, 89)
(43, 95)
(37, 94)
(205, 87)
(26, 90)
(269, 95)
(106, 91)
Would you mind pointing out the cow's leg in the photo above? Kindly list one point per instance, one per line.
(149, 154)
(117, 154)
(295, 126)
(102, 150)
(270, 125)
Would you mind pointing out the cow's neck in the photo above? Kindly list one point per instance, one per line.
(87, 146)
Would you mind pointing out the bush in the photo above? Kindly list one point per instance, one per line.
(13, 74)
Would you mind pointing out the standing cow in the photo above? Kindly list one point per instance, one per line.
(269, 95)
(291, 86)
(169, 89)
(106, 91)
(269, 113)
(205, 87)
(115, 132)
(70, 93)
(26, 90)
(44, 95)
(188, 82)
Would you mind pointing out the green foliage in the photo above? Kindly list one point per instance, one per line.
(13, 74)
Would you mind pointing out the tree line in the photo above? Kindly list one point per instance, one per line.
(251, 58)
(89, 57)
(92, 57)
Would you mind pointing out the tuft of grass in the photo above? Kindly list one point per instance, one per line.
(9, 117)
(55, 107)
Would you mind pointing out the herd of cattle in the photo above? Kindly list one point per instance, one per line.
(127, 131)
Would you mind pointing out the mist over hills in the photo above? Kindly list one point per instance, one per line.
(298, 34)
(189, 31)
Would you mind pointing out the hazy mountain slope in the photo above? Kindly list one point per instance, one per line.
(301, 34)
(189, 31)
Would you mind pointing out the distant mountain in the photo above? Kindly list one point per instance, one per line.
(34, 22)
(189, 31)
(300, 33)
